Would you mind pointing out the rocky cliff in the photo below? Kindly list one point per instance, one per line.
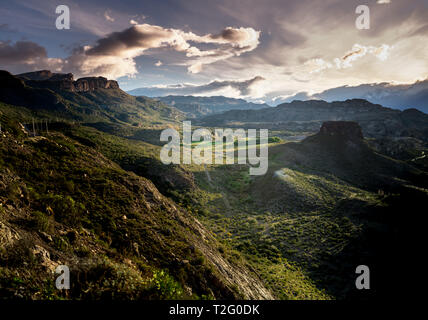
(94, 83)
(62, 81)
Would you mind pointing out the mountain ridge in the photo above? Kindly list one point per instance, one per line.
(47, 79)
(397, 96)
(86, 99)
(196, 106)
(375, 119)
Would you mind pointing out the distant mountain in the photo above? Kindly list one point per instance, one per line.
(394, 96)
(376, 120)
(45, 75)
(199, 106)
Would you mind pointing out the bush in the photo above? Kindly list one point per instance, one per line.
(274, 139)
(166, 286)
(41, 222)
(65, 209)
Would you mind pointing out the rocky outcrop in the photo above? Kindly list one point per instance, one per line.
(94, 83)
(65, 81)
(339, 136)
(348, 130)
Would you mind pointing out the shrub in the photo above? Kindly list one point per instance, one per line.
(41, 222)
(166, 285)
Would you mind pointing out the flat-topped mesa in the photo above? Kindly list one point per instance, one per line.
(65, 81)
(348, 130)
(93, 83)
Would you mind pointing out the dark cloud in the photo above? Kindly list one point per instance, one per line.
(20, 52)
(244, 88)
(135, 40)
(134, 37)
(230, 34)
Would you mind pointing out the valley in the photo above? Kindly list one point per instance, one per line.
(92, 192)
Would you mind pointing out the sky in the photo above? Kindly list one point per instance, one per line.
(257, 50)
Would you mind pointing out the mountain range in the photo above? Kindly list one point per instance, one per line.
(195, 107)
(397, 96)
(376, 120)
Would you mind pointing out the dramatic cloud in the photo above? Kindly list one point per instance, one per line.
(137, 39)
(113, 56)
(296, 45)
(229, 88)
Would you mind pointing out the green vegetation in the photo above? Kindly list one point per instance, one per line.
(92, 193)
(80, 204)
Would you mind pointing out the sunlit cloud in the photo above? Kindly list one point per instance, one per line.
(137, 39)
(108, 17)
(358, 51)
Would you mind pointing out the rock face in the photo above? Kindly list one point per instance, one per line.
(65, 81)
(349, 130)
(94, 83)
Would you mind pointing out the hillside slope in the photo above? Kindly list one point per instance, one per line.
(64, 203)
(327, 204)
(84, 100)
